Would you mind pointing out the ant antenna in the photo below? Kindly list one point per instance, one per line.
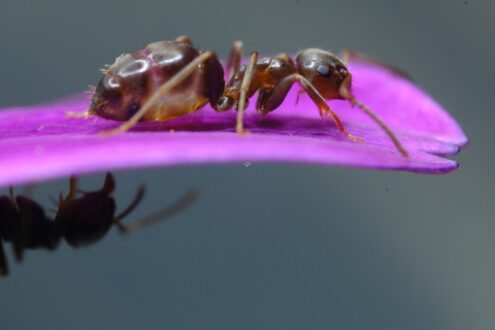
(187, 199)
(131, 207)
(347, 94)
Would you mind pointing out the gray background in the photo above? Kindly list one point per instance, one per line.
(269, 246)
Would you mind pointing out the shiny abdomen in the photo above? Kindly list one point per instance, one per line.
(133, 78)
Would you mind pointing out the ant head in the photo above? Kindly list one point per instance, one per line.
(325, 71)
(85, 220)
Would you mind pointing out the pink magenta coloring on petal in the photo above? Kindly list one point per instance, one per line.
(39, 142)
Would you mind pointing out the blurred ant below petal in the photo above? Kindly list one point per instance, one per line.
(81, 221)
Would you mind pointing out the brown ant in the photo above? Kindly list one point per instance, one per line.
(170, 79)
(80, 221)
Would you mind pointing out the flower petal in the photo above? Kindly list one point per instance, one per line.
(39, 142)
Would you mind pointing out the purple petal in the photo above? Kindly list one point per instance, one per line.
(39, 142)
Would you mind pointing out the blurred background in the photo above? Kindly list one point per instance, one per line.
(269, 246)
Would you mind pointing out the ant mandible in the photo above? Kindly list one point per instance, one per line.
(170, 79)
(81, 221)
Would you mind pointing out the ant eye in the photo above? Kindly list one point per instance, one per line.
(324, 70)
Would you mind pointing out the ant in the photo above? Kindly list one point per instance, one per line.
(80, 221)
(170, 79)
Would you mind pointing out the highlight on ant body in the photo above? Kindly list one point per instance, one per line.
(82, 219)
(170, 79)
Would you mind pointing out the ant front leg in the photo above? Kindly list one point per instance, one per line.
(80, 115)
(270, 98)
(66, 200)
(246, 83)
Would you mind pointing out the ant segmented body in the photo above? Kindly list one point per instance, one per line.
(81, 221)
(169, 79)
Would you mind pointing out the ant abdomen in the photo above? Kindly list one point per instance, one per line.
(134, 78)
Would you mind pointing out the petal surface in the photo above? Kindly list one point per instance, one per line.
(39, 142)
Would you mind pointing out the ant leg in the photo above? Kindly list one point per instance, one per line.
(164, 89)
(85, 115)
(270, 99)
(286, 58)
(235, 57)
(17, 225)
(4, 267)
(72, 192)
(185, 39)
(109, 184)
(171, 210)
(299, 93)
(347, 55)
(349, 96)
(246, 82)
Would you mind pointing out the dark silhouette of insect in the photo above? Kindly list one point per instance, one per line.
(80, 221)
(169, 79)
